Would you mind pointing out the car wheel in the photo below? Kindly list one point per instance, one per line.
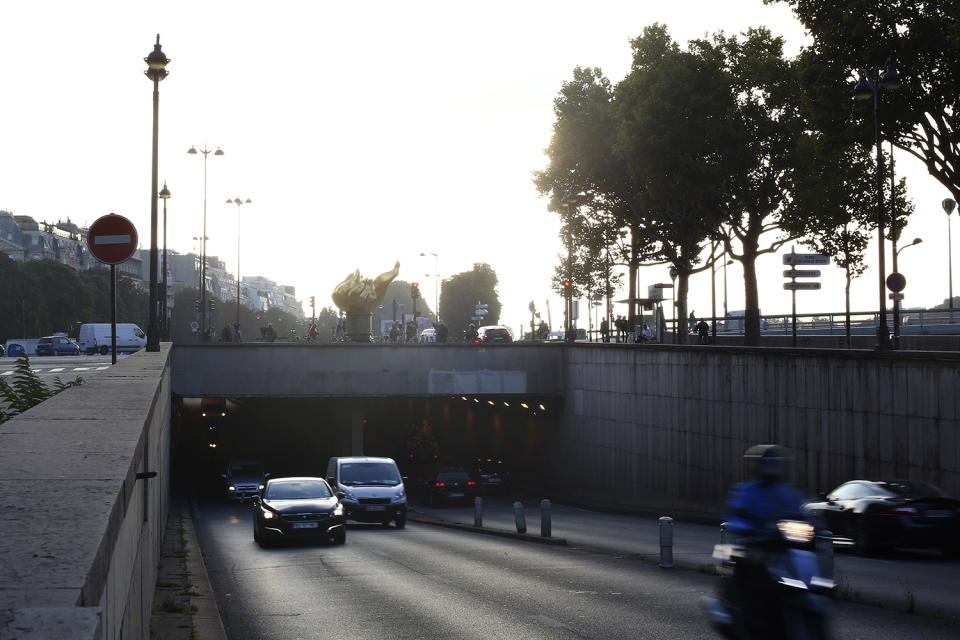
(339, 537)
(401, 522)
(863, 544)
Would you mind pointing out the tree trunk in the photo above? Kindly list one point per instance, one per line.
(683, 288)
(751, 315)
(847, 321)
(634, 271)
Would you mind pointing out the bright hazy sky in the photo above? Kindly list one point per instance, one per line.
(364, 132)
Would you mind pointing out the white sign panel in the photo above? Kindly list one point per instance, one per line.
(805, 258)
(798, 286)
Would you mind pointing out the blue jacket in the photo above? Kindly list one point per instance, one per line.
(755, 507)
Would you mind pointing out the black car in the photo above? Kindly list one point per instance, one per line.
(298, 508)
(57, 346)
(492, 475)
(493, 333)
(874, 514)
(447, 486)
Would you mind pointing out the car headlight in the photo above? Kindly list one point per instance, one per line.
(261, 487)
(349, 496)
(400, 496)
(267, 515)
(231, 488)
(338, 510)
(796, 530)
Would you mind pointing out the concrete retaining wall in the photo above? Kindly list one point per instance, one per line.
(81, 535)
(665, 427)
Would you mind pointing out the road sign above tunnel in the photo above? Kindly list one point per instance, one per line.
(112, 239)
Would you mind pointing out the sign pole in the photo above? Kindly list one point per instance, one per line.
(113, 313)
(793, 295)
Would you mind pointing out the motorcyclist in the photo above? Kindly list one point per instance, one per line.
(470, 335)
(754, 508)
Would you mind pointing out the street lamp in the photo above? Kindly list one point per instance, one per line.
(237, 201)
(436, 287)
(156, 71)
(948, 205)
(203, 244)
(869, 86)
(164, 322)
(896, 297)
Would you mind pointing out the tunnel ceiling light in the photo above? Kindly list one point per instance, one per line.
(542, 408)
(524, 405)
(490, 402)
(476, 400)
(506, 404)
(464, 398)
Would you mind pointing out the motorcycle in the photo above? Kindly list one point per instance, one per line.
(776, 585)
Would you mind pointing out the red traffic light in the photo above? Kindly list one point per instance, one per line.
(566, 283)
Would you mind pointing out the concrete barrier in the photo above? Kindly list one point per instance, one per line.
(81, 534)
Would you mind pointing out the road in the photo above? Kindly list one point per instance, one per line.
(431, 582)
(67, 367)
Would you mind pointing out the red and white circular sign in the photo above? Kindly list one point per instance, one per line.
(112, 239)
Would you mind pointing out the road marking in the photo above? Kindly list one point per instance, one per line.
(81, 368)
(6, 373)
(102, 368)
(57, 370)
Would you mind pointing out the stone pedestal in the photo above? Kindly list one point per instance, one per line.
(359, 325)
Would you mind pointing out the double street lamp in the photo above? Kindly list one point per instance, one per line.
(156, 71)
(237, 201)
(871, 82)
(203, 238)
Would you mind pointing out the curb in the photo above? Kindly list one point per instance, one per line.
(414, 516)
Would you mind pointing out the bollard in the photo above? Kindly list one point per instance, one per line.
(546, 529)
(478, 512)
(723, 533)
(666, 542)
(825, 544)
(519, 517)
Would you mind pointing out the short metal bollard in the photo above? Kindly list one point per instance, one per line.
(825, 544)
(546, 528)
(478, 512)
(723, 533)
(666, 542)
(519, 517)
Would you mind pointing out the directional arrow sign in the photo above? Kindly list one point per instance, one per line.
(481, 312)
(805, 258)
(797, 286)
(801, 273)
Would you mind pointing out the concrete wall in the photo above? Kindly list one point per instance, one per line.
(80, 536)
(665, 427)
(340, 370)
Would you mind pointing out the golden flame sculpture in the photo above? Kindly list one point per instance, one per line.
(357, 294)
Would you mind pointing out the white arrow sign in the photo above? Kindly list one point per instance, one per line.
(805, 258)
(797, 286)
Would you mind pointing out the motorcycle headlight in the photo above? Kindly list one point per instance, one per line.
(796, 531)
(267, 514)
(338, 510)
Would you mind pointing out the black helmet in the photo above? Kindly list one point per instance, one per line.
(771, 461)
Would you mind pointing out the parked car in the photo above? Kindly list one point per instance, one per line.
(96, 337)
(493, 333)
(871, 515)
(57, 346)
(448, 485)
(298, 508)
(15, 350)
(373, 489)
(492, 475)
(245, 479)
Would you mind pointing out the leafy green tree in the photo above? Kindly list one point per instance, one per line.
(25, 389)
(460, 294)
(921, 117)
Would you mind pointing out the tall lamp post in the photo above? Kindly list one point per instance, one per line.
(869, 87)
(896, 299)
(237, 201)
(156, 71)
(948, 205)
(203, 243)
(164, 320)
(436, 287)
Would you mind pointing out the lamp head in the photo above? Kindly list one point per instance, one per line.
(917, 240)
(948, 204)
(218, 152)
(890, 80)
(164, 193)
(156, 62)
(863, 90)
(192, 151)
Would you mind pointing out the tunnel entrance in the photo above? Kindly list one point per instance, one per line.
(296, 436)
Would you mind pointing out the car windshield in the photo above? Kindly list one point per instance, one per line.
(298, 490)
(453, 476)
(909, 490)
(369, 473)
(246, 470)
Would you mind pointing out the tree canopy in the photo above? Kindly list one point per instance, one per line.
(461, 292)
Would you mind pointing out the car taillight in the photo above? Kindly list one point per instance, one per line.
(471, 483)
(904, 510)
(439, 484)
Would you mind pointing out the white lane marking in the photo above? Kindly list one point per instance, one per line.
(81, 368)
(6, 373)
(57, 370)
(102, 368)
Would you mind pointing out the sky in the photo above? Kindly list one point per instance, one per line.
(363, 133)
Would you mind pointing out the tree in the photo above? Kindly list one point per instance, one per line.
(26, 389)
(461, 292)
(922, 117)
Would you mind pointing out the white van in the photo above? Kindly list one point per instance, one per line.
(95, 338)
(372, 489)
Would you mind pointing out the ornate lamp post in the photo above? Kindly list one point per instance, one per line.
(237, 201)
(948, 205)
(869, 87)
(203, 238)
(156, 71)
(164, 320)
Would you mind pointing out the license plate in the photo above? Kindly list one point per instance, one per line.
(938, 513)
(376, 507)
(305, 525)
(456, 495)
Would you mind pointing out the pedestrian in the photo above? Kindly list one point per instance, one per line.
(441, 331)
(646, 335)
(236, 332)
(693, 322)
(703, 330)
(271, 333)
(605, 330)
(411, 331)
(394, 333)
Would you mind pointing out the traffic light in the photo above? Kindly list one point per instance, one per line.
(414, 290)
(197, 306)
(213, 305)
(566, 285)
(312, 301)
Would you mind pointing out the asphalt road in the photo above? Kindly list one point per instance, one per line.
(431, 582)
(67, 367)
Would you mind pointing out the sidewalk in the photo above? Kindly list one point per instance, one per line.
(183, 604)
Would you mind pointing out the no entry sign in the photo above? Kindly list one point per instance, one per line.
(112, 239)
